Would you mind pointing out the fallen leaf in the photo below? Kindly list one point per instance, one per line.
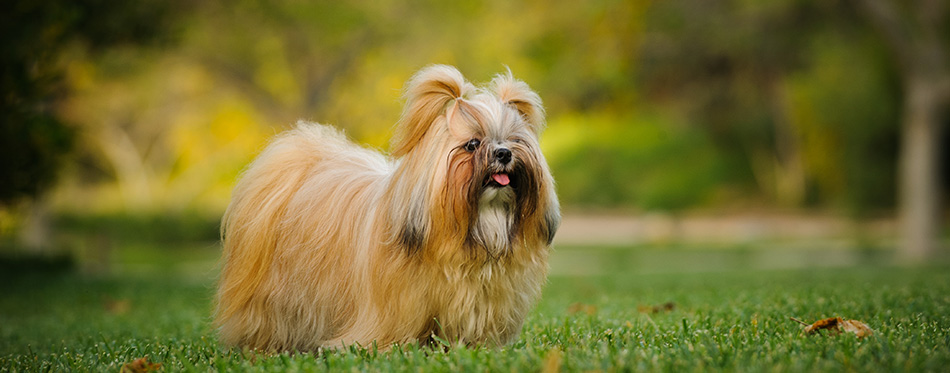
(830, 324)
(665, 307)
(581, 307)
(140, 365)
(117, 306)
(552, 361)
(836, 325)
(859, 329)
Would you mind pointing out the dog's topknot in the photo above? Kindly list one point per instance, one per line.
(427, 95)
(516, 93)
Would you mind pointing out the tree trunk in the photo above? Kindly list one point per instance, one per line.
(36, 233)
(919, 186)
(913, 33)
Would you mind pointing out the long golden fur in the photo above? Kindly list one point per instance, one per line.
(329, 244)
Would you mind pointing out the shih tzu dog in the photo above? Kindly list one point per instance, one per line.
(330, 244)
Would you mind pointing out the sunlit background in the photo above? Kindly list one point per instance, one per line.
(683, 135)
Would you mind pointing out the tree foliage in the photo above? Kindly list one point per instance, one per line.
(34, 34)
(652, 105)
(796, 90)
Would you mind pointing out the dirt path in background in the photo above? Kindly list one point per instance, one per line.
(607, 229)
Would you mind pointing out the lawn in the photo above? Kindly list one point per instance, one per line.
(54, 318)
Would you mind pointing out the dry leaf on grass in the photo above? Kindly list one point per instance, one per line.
(836, 325)
(581, 307)
(552, 361)
(665, 307)
(141, 365)
(117, 307)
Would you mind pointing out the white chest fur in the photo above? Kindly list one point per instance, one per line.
(495, 218)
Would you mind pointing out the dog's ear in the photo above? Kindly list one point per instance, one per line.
(414, 224)
(516, 93)
(427, 95)
(552, 221)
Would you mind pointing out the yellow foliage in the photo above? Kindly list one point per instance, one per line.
(274, 73)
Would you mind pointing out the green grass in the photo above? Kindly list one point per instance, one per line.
(55, 319)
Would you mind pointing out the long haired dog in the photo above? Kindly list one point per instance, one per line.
(330, 244)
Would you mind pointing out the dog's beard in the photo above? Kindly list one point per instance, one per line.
(501, 195)
(493, 227)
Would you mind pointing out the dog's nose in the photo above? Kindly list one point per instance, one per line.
(503, 155)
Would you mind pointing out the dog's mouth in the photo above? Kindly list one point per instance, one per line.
(498, 180)
(501, 180)
(514, 181)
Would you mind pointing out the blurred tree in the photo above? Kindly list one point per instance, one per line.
(723, 63)
(170, 130)
(918, 37)
(786, 102)
(285, 55)
(791, 90)
(33, 34)
(162, 126)
(639, 162)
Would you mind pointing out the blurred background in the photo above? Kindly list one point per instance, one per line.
(684, 135)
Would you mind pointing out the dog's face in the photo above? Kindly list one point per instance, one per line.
(498, 161)
(475, 158)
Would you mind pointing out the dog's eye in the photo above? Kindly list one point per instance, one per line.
(471, 145)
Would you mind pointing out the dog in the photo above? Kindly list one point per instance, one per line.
(328, 244)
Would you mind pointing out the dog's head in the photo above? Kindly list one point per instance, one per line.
(471, 163)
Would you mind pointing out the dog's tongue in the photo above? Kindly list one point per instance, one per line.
(501, 179)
